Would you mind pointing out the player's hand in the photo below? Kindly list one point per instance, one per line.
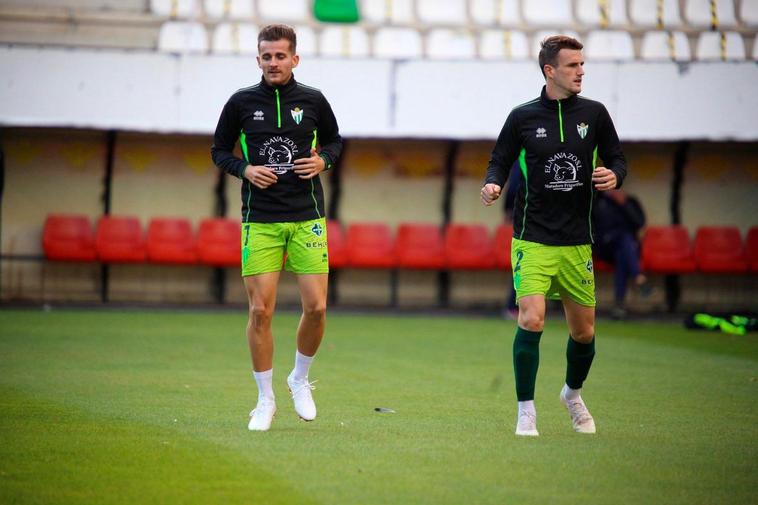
(260, 176)
(308, 168)
(604, 179)
(490, 192)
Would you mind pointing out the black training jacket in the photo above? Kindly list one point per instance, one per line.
(275, 126)
(557, 144)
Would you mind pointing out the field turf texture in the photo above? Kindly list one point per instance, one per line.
(139, 406)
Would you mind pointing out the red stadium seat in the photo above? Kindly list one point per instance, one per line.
(420, 246)
(667, 250)
(337, 244)
(370, 245)
(119, 239)
(601, 266)
(719, 250)
(503, 239)
(67, 237)
(469, 247)
(751, 248)
(218, 242)
(170, 241)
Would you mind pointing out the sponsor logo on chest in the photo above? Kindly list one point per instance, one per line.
(562, 170)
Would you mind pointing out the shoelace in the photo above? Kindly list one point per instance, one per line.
(530, 415)
(304, 385)
(579, 412)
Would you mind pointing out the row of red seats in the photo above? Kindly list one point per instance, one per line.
(665, 249)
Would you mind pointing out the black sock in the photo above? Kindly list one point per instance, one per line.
(526, 360)
(578, 361)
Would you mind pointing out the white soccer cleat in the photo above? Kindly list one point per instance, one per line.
(526, 426)
(262, 415)
(580, 416)
(302, 397)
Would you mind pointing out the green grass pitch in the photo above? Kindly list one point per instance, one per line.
(128, 406)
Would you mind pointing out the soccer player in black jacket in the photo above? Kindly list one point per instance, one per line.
(557, 139)
(280, 124)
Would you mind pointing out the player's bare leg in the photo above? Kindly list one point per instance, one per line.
(261, 294)
(579, 354)
(310, 332)
(531, 321)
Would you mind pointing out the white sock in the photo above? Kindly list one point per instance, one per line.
(264, 381)
(302, 365)
(527, 406)
(570, 394)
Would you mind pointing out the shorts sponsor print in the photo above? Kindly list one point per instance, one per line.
(303, 243)
(553, 271)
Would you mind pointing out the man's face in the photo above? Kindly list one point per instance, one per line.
(567, 76)
(276, 60)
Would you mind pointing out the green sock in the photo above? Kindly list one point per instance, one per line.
(526, 360)
(578, 362)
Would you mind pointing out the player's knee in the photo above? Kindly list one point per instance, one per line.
(531, 321)
(584, 335)
(261, 314)
(315, 311)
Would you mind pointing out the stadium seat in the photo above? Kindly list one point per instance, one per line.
(119, 239)
(665, 46)
(337, 244)
(170, 241)
(547, 12)
(469, 247)
(667, 250)
(442, 12)
(388, 11)
(751, 248)
(709, 46)
(288, 11)
(719, 250)
(601, 266)
(541, 35)
(590, 13)
(420, 246)
(68, 237)
(503, 44)
(174, 9)
(749, 13)
(336, 11)
(344, 41)
(609, 45)
(235, 38)
(229, 9)
(182, 37)
(370, 245)
(644, 13)
(218, 242)
(494, 12)
(445, 44)
(503, 239)
(400, 43)
(698, 14)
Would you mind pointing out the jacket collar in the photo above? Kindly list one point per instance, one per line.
(291, 84)
(553, 104)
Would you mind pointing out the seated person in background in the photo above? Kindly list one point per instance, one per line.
(618, 220)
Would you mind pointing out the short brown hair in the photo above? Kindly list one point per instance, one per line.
(551, 46)
(272, 33)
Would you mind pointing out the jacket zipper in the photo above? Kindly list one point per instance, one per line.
(560, 119)
(279, 110)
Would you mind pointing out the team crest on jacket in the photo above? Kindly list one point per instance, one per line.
(297, 114)
(582, 129)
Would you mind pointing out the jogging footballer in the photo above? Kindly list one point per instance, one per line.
(288, 135)
(557, 138)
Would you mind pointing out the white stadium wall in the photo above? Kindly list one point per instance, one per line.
(154, 92)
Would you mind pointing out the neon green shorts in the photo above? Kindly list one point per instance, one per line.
(264, 246)
(553, 271)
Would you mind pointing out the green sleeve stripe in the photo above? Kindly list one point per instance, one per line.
(522, 165)
(592, 194)
(243, 145)
(314, 142)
